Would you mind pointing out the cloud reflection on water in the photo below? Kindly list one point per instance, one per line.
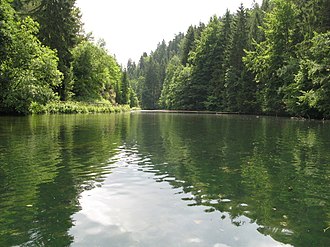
(132, 209)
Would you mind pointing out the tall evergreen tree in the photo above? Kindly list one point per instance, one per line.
(148, 76)
(314, 16)
(125, 89)
(167, 98)
(187, 45)
(59, 29)
(174, 45)
(207, 58)
(217, 96)
(234, 71)
(273, 60)
(26, 7)
(151, 85)
(267, 59)
(255, 22)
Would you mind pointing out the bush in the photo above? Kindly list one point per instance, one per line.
(71, 107)
(28, 70)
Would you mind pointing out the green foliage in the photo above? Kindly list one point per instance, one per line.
(257, 60)
(176, 84)
(239, 92)
(70, 107)
(255, 22)
(218, 93)
(125, 89)
(168, 91)
(28, 70)
(148, 76)
(270, 58)
(95, 73)
(25, 7)
(314, 16)
(188, 44)
(182, 100)
(152, 85)
(309, 95)
(206, 60)
(59, 29)
(133, 99)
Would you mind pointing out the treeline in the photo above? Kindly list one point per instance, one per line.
(46, 57)
(271, 59)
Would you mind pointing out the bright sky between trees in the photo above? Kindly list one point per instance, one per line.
(131, 27)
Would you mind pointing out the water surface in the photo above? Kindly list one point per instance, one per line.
(145, 179)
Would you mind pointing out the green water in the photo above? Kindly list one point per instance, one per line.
(145, 179)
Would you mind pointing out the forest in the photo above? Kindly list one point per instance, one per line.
(272, 58)
(46, 60)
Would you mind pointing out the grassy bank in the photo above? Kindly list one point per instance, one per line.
(72, 107)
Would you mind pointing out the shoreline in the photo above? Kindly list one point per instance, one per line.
(231, 113)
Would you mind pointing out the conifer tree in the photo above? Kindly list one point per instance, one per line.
(217, 96)
(270, 59)
(59, 28)
(187, 45)
(125, 89)
(207, 58)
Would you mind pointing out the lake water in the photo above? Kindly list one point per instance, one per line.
(172, 180)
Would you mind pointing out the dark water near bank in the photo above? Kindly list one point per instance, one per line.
(146, 179)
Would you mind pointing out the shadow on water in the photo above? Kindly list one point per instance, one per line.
(272, 171)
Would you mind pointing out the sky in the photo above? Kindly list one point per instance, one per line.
(131, 27)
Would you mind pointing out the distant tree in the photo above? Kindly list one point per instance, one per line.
(96, 73)
(216, 98)
(170, 84)
(240, 86)
(125, 89)
(133, 101)
(206, 59)
(131, 68)
(174, 46)
(188, 44)
(255, 22)
(264, 59)
(151, 85)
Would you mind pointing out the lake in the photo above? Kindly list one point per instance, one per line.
(156, 179)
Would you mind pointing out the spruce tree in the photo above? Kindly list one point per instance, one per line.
(273, 59)
(59, 28)
(187, 45)
(217, 97)
(206, 59)
(239, 85)
(125, 89)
